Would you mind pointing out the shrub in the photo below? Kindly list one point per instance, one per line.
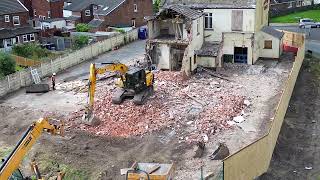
(31, 51)
(81, 27)
(81, 41)
(7, 64)
(156, 6)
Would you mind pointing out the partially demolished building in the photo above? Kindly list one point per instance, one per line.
(174, 33)
(210, 33)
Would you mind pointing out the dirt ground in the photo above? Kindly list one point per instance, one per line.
(296, 155)
(86, 156)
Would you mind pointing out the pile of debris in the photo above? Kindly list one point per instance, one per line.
(195, 108)
(77, 86)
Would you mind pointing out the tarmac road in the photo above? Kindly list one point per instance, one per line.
(125, 54)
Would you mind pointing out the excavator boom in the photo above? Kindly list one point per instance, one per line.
(111, 67)
(12, 162)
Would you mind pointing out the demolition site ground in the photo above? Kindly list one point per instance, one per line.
(231, 106)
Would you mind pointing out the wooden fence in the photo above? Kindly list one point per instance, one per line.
(22, 61)
(253, 160)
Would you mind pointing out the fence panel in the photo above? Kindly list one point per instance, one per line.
(23, 78)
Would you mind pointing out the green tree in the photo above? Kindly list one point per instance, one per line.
(31, 51)
(156, 6)
(7, 64)
(81, 41)
(81, 27)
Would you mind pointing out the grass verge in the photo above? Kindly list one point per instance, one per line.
(294, 17)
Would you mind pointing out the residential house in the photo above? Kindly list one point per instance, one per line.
(101, 14)
(44, 9)
(14, 27)
(232, 31)
(172, 32)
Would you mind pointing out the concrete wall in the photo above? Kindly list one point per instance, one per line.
(23, 78)
(58, 24)
(231, 40)
(164, 58)
(222, 22)
(254, 159)
(67, 13)
(261, 14)
(276, 46)
(196, 42)
(208, 62)
(153, 29)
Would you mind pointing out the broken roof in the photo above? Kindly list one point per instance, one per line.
(215, 4)
(180, 9)
(275, 33)
(104, 6)
(208, 49)
(11, 6)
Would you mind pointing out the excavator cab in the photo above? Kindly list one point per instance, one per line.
(135, 79)
(137, 84)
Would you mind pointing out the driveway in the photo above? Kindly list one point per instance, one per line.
(125, 54)
(58, 101)
(311, 34)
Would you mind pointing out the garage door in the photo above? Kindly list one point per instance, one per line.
(240, 55)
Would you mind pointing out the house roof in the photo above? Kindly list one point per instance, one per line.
(184, 10)
(104, 6)
(11, 6)
(180, 9)
(9, 33)
(208, 50)
(95, 22)
(275, 33)
(215, 4)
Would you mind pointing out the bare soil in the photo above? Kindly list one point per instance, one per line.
(296, 155)
(101, 157)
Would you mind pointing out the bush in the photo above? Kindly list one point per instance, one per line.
(31, 51)
(7, 64)
(156, 6)
(81, 41)
(81, 27)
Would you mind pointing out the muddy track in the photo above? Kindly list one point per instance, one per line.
(298, 147)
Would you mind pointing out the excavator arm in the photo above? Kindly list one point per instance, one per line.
(12, 162)
(110, 67)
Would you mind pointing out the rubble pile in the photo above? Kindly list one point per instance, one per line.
(77, 86)
(202, 103)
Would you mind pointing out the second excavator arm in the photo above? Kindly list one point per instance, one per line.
(12, 162)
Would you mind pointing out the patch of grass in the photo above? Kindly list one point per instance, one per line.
(313, 64)
(4, 152)
(294, 17)
(19, 68)
(50, 167)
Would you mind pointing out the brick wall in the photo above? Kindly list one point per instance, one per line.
(125, 13)
(23, 17)
(56, 9)
(84, 18)
(41, 7)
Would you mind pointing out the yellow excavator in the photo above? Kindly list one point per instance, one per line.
(135, 82)
(10, 166)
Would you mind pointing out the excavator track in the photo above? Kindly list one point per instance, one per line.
(140, 98)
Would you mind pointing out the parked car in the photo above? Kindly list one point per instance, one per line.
(305, 22)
